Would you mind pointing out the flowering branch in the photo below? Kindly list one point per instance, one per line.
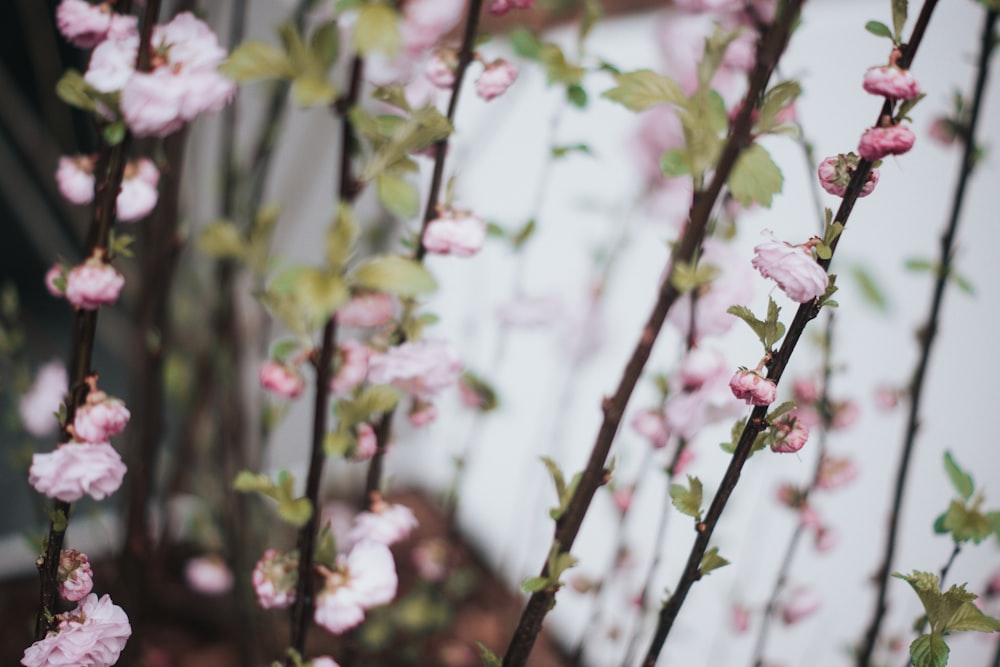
(772, 44)
(756, 422)
(929, 331)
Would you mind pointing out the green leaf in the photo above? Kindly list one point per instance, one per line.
(961, 480)
(312, 90)
(377, 399)
(899, 8)
(337, 444)
(711, 561)
(768, 331)
(920, 265)
(295, 512)
(325, 552)
(929, 651)
(321, 293)
(394, 274)
(687, 501)
(716, 46)
(686, 278)
(341, 237)
(755, 177)
(377, 29)
(222, 240)
(256, 61)
(557, 478)
(643, 89)
(114, 133)
(259, 482)
(577, 96)
(59, 520)
(526, 43)
(325, 43)
(675, 163)
(878, 29)
(563, 151)
(969, 618)
(490, 659)
(534, 584)
(399, 196)
(288, 309)
(966, 524)
(521, 236)
(776, 99)
(76, 92)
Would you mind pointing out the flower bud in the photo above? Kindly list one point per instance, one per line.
(751, 387)
(877, 142)
(75, 576)
(93, 284)
(791, 267)
(495, 79)
(455, 233)
(281, 380)
(836, 172)
(891, 81)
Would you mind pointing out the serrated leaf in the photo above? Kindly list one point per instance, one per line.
(961, 480)
(257, 61)
(377, 29)
(556, 474)
(782, 409)
(878, 29)
(312, 90)
(643, 89)
(296, 512)
(398, 196)
(394, 274)
(221, 239)
(711, 561)
(966, 524)
(776, 99)
(687, 500)
(969, 618)
(899, 9)
(929, 651)
(755, 177)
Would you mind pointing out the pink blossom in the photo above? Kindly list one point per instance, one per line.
(887, 398)
(100, 418)
(38, 406)
(93, 284)
(891, 81)
(208, 575)
(112, 63)
(753, 388)
(501, 7)
(622, 498)
(76, 578)
(791, 267)
(422, 413)
(92, 635)
(733, 285)
(836, 172)
(55, 280)
(138, 195)
(944, 131)
(83, 24)
(845, 414)
(652, 425)
(274, 579)
(366, 442)
(826, 539)
(739, 618)
(809, 517)
(427, 21)
(790, 435)
(688, 411)
(386, 523)
(363, 579)
(877, 142)
(804, 390)
(684, 460)
(836, 472)
(422, 368)
(531, 311)
(440, 68)
(800, 604)
(281, 380)
(75, 178)
(367, 309)
(791, 496)
(430, 557)
(713, 6)
(659, 131)
(77, 468)
(324, 661)
(458, 233)
(495, 79)
(700, 366)
(352, 366)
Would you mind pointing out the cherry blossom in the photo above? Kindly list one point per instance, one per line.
(86, 25)
(752, 387)
(790, 435)
(352, 366)
(422, 368)
(791, 267)
(94, 283)
(363, 579)
(495, 79)
(422, 413)
(501, 7)
(739, 618)
(430, 557)
(651, 425)
(281, 380)
(733, 284)
(38, 406)
(100, 417)
(55, 280)
(878, 142)
(386, 523)
(77, 468)
(704, 395)
(440, 68)
(274, 579)
(92, 635)
(891, 81)
(836, 472)
(76, 578)
(138, 195)
(427, 21)
(208, 575)
(836, 172)
(366, 442)
(801, 603)
(75, 178)
(458, 233)
(324, 661)
(367, 309)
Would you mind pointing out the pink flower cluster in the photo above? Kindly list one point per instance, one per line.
(86, 25)
(184, 81)
(891, 81)
(792, 267)
(422, 368)
(752, 387)
(836, 172)
(733, 284)
(367, 309)
(77, 468)
(385, 523)
(100, 417)
(281, 379)
(89, 286)
(878, 142)
(138, 195)
(208, 575)
(363, 579)
(501, 7)
(455, 232)
(38, 406)
(76, 578)
(495, 79)
(274, 579)
(352, 366)
(790, 435)
(92, 635)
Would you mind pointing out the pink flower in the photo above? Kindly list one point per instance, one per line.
(427, 21)
(430, 557)
(804, 390)
(826, 539)
(55, 280)
(440, 68)
(367, 442)
(845, 414)
(494, 81)
(363, 579)
(705, 394)
(835, 473)
(92, 635)
(421, 368)
(791, 267)
(753, 388)
(82, 24)
(368, 309)
(274, 579)
(652, 425)
(113, 61)
(208, 575)
(458, 233)
(734, 284)
(791, 496)
(138, 195)
(892, 82)
(800, 604)
(100, 418)
(281, 380)
(501, 7)
(386, 523)
(75, 178)
(684, 460)
(836, 172)
(877, 142)
(352, 368)
(38, 406)
(887, 398)
(944, 131)
(324, 661)
(76, 578)
(790, 435)
(622, 498)
(739, 618)
(77, 468)
(93, 284)
(422, 413)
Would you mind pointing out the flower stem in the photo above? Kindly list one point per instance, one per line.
(928, 334)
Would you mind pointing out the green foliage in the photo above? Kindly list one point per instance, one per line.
(74, 91)
(222, 239)
(899, 9)
(341, 236)
(688, 500)
(642, 89)
(483, 390)
(394, 274)
(952, 611)
(961, 480)
(295, 511)
(377, 30)
(393, 138)
(686, 277)
(870, 289)
(59, 520)
(711, 561)
(964, 520)
(257, 61)
(490, 659)
(675, 163)
(564, 491)
(399, 196)
(550, 56)
(755, 177)
(558, 562)
(770, 330)
(320, 293)
(879, 29)
(776, 99)
(562, 151)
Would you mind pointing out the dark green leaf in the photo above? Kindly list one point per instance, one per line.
(929, 651)
(878, 29)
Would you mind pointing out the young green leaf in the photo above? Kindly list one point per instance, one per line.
(257, 61)
(878, 29)
(899, 9)
(687, 500)
(394, 274)
(711, 561)
(534, 584)
(755, 177)
(312, 90)
(869, 287)
(643, 89)
(961, 480)
(377, 29)
(222, 240)
(490, 659)
(675, 163)
(399, 196)
(295, 511)
(929, 651)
